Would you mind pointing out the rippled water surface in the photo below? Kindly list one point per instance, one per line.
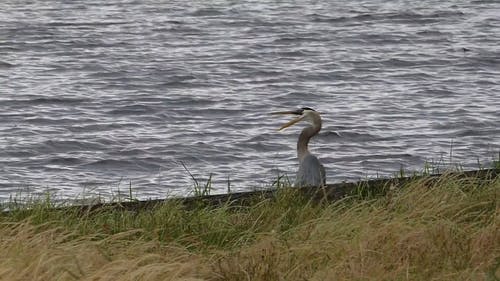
(100, 95)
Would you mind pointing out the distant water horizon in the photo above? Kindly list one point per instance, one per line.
(99, 96)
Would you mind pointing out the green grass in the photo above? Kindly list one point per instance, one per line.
(427, 230)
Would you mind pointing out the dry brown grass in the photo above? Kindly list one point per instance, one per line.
(50, 253)
(447, 231)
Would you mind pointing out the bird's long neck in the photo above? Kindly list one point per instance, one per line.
(304, 137)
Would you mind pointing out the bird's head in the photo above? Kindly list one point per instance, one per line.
(302, 114)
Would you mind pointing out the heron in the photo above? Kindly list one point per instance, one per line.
(311, 172)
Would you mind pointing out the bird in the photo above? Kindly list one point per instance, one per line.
(311, 172)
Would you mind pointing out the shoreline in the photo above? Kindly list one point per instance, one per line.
(329, 193)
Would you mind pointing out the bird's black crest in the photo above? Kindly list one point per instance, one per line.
(300, 111)
(307, 108)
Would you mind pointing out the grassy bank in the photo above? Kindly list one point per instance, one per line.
(427, 230)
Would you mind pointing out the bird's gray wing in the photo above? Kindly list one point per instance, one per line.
(311, 172)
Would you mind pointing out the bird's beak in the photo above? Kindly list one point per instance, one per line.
(294, 112)
(295, 120)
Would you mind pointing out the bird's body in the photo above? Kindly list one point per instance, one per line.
(311, 172)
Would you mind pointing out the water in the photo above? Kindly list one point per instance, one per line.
(97, 96)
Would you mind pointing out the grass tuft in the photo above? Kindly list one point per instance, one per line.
(446, 229)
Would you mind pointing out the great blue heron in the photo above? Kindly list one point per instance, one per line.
(311, 171)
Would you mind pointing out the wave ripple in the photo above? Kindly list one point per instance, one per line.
(99, 95)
